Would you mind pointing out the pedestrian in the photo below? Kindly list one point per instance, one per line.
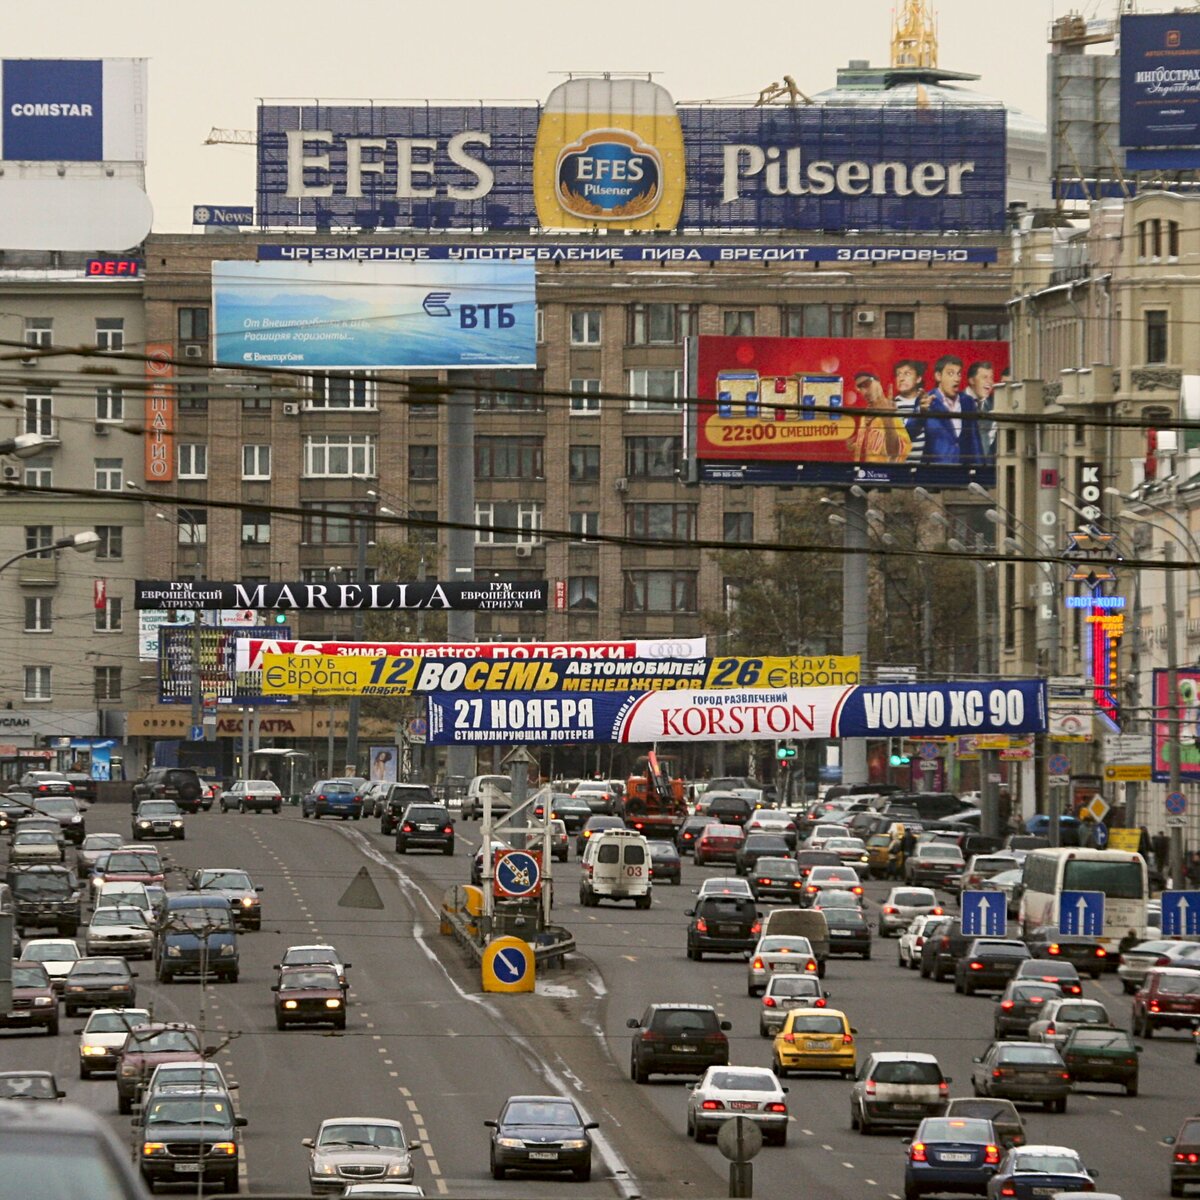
(1145, 848)
(1128, 942)
(1162, 851)
(1193, 869)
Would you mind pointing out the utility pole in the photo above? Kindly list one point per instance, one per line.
(460, 542)
(356, 635)
(1176, 729)
(854, 615)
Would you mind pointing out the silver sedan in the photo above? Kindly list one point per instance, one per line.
(725, 1092)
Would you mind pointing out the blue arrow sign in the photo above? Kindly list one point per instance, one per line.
(1081, 913)
(510, 966)
(1180, 914)
(518, 873)
(984, 914)
(197, 733)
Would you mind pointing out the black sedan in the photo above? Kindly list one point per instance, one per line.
(1084, 953)
(541, 1134)
(665, 864)
(849, 932)
(777, 879)
(1024, 1071)
(572, 811)
(1052, 971)
(989, 965)
(759, 845)
(1021, 1003)
(690, 831)
(99, 983)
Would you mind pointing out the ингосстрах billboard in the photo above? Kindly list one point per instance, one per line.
(1160, 90)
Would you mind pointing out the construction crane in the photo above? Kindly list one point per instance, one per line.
(231, 137)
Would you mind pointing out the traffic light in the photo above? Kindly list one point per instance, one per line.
(899, 760)
(785, 752)
(279, 617)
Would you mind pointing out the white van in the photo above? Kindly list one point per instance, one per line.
(500, 789)
(616, 866)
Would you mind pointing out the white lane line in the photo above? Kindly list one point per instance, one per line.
(848, 1166)
(807, 1132)
(825, 1147)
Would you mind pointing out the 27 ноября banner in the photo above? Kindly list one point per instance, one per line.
(905, 710)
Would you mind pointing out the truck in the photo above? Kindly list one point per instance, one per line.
(653, 803)
(46, 894)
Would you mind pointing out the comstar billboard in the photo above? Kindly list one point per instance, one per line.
(906, 710)
(1160, 90)
(782, 410)
(302, 316)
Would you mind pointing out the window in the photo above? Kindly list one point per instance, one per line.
(107, 683)
(899, 324)
(39, 538)
(653, 457)
(583, 593)
(108, 618)
(193, 526)
(509, 458)
(110, 474)
(660, 591)
(193, 324)
(110, 405)
(1156, 335)
(585, 523)
(660, 520)
(738, 322)
(1157, 238)
(585, 397)
(657, 388)
(39, 413)
(352, 389)
(978, 324)
(326, 527)
(192, 396)
(585, 327)
(38, 614)
(737, 527)
(39, 471)
(426, 396)
(584, 464)
(256, 527)
(256, 462)
(422, 462)
(524, 520)
(193, 460)
(662, 324)
(818, 320)
(256, 397)
(37, 683)
(39, 332)
(539, 324)
(339, 456)
(504, 391)
(111, 544)
(110, 333)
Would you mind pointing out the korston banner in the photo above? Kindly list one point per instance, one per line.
(903, 710)
(250, 651)
(493, 596)
(396, 675)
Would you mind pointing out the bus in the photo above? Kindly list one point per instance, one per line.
(291, 770)
(1120, 874)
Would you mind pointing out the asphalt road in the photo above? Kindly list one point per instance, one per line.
(425, 1045)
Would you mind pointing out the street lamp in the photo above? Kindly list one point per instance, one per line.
(24, 445)
(85, 542)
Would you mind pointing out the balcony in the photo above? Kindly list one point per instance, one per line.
(1087, 385)
(38, 572)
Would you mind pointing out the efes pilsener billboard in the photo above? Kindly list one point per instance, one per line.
(619, 154)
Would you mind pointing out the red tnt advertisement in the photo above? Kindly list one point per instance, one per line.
(786, 410)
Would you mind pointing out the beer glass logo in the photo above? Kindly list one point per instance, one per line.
(609, 175)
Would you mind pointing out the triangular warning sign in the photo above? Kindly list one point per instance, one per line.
(361, 893)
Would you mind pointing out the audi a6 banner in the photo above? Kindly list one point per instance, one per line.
(905, 710)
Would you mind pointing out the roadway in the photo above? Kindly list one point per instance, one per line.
(424, 1044)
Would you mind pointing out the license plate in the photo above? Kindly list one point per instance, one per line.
(18, 1016)
(784, 968)
(955, 1157)
(684, 1049)
(728, 930)
(908, 1108)
(743, 1105)
(841, 933)
(544, 1155)
(1046, 1191)
(818, 1045)
(189, 1168)
(426, 828)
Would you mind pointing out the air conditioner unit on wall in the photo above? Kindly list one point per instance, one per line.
(524, 551)
(193, 351)
(11, 472)
(866, 317)
(291, 410)
(621, 484)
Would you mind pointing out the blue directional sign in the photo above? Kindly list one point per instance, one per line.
(510, 966)
(518, 873)
(1081, 913)
(984, 914)
(1180, 914)
(197, 733)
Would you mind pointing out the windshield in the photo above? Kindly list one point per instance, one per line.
(1117, 880)
(1100, 1039)
(1045, 1055)
(118, 916)
(117, 1022)
(785, 945)
(1180, 985)
(101, 841)
(933, 850)
(822, 1024)
(35, 837)
(739, 1081)
(955, 1129)
(187, 1111)
(27, 1087)
(261, 789)
(295, 980)
(777, 866)
(168, 1041)
(389, 1137)
(30, 977)
(913, 899)
(199, 919)
(98, 966)
(794, 985)
(303, 957)
(56, 807)
(1092, 1014)
(133, 864)
(153, 808)
(231, 880)
(905, 1071)
(50, 952)
(1047, 1164)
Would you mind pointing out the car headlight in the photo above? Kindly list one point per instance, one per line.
(289, 1004)
(227, 1148)
(575, 1144)
(92, 1051)
(75, 987)
(152, 1148)
(324, 1169)
(173, 952)
(403, 1167)
(247, 901)
(510, 1143)
(76, 819)
(178, 825)
(42, 1001)
(331, 1003)
(120, 987)
(128, 1069)
(143, 824)
(228, 951)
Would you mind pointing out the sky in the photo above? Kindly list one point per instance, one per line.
(211, 63)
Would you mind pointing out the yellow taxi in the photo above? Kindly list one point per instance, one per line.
(815, 1039)
(879, 847)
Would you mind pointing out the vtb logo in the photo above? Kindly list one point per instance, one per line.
(435, 304)
(470, 316)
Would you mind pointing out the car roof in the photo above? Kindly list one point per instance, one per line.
(903, 1056)
(1047, 1150)
(399, 1125)
(685, 1007)
(49, 1120)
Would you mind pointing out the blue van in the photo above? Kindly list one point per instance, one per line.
(196, 936)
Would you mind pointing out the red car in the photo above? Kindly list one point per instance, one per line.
(1169, 997)
(134, 866)
(719, 843)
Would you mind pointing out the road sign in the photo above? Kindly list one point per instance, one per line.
(517, 874)
(1058, 764)
(1096, 808)
(984, 914)
(1176, 822)
(739, 1139)
(1127, 772)
(1081, 913)
(1180, 914)
(1125, 839)
(1176, 804)
(197, 733)
(928, 750)
(508, 966)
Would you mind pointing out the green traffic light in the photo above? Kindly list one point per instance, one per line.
(782, 752)
(280, 618)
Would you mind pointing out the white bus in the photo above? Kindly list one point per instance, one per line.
(1119, 874)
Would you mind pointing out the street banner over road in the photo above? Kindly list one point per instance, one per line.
(901, 710)
(388, 675)
(493, 596)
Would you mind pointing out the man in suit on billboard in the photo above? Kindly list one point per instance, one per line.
(981, 382)
(950, 440)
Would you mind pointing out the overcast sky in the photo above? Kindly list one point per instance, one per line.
(211, 62)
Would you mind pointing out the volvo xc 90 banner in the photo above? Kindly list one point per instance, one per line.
(492, 596)
(905, 710)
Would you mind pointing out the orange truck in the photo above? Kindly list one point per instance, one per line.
(653, 803)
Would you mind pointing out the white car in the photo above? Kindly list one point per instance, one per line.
(904, 903)
(821, 834)
(726, 885)
(348, 1148)
(752, 1092)
(314, 956)
(785, 992)
(913, 938)
(774, 820)
(124, 895)
(1059, 1017)
(118, 929)
(779, 955)
(851, 850)
(104, 1035)
(55, 954)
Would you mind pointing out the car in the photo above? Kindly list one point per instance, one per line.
(815, 1039)
(879, 854)
(776, 821)
(572, 811)
(827, 896)
(41, 823)
(902, 904)
(820, 834)
(560, 841)
(540, 1134)
(35, 1086)
(65, 810)
(477, 861)
(1009, 884)
(396, 799)
(1032, 1172)
(595, 824)
(333, 798)
(98, 983)
(784, 993)
(598, 794)
(751, 1092)
(92, 846)
(425, 827)
(118, 930)
(1021, 1003)
(46, 783)
(144, 1048)
(1003, 1114)
(759, 845)
(722, 925)
(1185, 1155)
(725, 885)
(834, 876)
(180, 784)
(318, 955)
(951, 1154)
(1136, 961)
(374, 1190)
(197, 936)
(103, 1035)
(373, 796)
(252, 795)
(237, 887)
(1023, 1071)
(34, 1003)
(737, 785)
(55, 954)
(849, 931)
(945, 943)
(911, 941)
(934, 863)
(1095, 1054)
(989, 964)
(1086, 953)
(189, 1136)
(718, 843)
(806, 860)
(776, 879)
(121, 894)
(171, 1078)
(665, 863)
(852, 851)
(1168, 998)
(897, 1088)
(1059, 1017)
(1042, 971)
(727, 808)
(982, 867)
(35, 846)
(128, 865)
(676, 1039)
(13, 806)
(778, 954)
(616, 867)
(497, 789)
(309, 996)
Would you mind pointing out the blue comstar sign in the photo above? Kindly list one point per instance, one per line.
(1081, 913)
(984, 914)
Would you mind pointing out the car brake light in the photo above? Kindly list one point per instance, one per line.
(320, 797)
(857, 891)
(1066, 1074)
(991, 1156)
(977, 966)
(943, 1088)
(701, 925)
(1186, 1156)
(1162, 961)
(870, 1088)
(890, 908)
(757, 965)
(1053, 948)
(1008, 1190)
(756, 927)
(776, 1107)
(1050, 1028)
(711, 1105)
(406, 827)
(811, 965)
(447, 828)
(812, 888)
(1154, 1006)
(917, 1152)
(937, 912)
(1007, 1004)
(763, 882)
(790, 1038)
(769, 1002)
(847, 1039)
(819, 1002)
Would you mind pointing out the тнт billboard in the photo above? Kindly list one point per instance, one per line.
(1160, 90)
(1184, 715)
(783, 410)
